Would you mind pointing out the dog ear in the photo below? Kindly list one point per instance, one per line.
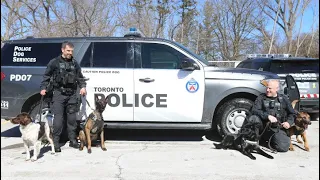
(106, 99)
(15, 120)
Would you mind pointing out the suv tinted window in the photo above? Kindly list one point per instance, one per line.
(245, 65)
(159, 56)
(110, 54)
(262, 66)
(33, 54)
(294, 66)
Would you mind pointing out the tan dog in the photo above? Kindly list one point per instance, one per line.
(300, 125)
(94, 126)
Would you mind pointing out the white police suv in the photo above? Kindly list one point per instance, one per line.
(152, 83)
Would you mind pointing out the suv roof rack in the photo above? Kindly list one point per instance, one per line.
(249, 56)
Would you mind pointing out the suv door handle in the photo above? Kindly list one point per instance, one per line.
(146, 80)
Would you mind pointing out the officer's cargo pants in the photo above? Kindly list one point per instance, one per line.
(64, 104)
(280, 141)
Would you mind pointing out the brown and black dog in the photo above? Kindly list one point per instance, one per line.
(300, 125)
(94, 126)
(33, 134)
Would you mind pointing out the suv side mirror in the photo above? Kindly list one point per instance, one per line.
(189, 65)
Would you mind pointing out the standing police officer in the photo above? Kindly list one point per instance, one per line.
(67, 76)
(277, 109)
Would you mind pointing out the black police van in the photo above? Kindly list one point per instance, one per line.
(304, 70)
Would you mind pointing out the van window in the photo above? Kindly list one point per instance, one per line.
(159, 56)
(295, 66)
(87, 58)
(110, 54)
(31, 54)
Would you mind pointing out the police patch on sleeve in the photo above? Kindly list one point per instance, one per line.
(192, 86)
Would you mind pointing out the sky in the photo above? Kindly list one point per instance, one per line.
(307, 18)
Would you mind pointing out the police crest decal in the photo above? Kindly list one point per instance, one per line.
(192, 86)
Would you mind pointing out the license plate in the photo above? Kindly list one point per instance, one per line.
(303, 85)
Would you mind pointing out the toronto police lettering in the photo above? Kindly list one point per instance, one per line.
(144, 100)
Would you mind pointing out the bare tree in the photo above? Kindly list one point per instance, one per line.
(13, 25)
(163, 9)
(233, 22)
(206, 46)
(290, 10)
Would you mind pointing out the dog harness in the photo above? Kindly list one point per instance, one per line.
(298, 130)
(97, 121)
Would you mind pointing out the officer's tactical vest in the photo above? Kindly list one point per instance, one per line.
(275, 107)
(66, 76)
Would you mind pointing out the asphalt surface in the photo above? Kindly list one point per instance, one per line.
(156, 155)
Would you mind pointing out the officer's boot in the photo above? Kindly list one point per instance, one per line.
(74, 143)
(56, 144)
(73, 140)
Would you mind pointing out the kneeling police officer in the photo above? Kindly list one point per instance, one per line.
(67, 77)
(277, 109)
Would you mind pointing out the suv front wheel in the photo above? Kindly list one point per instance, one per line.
(232, 114)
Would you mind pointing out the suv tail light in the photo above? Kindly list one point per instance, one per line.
(2, 76)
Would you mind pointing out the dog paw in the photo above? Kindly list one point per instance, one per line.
(33, 159)
(27, 159)
(89, 151)
(307, 148)
(80, 149)
(104, 149)
(291, 149)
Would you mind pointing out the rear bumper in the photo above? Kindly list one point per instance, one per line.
(309, 105)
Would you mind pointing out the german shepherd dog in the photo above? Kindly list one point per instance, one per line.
(300, 125)
(94, 126)
(246, 141)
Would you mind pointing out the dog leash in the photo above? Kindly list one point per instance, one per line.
(40, 108)
(88, 103)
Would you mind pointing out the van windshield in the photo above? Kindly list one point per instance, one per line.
(295, 66)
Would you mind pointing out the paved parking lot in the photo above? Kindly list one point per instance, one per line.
(154, 155)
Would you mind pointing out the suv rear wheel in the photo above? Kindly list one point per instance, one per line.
(232, 114)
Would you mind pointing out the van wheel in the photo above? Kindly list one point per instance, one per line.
(231, 115)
